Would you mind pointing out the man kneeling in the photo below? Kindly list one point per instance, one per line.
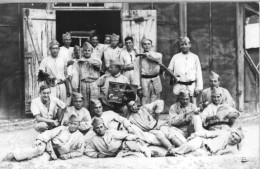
(111, 143)
(61, 142)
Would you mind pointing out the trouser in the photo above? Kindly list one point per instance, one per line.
(149, 92)
(174, 135)
(133, 148)
(60, 92)
(89, 91)
(42, 126)
(29, 153)
(188, 147)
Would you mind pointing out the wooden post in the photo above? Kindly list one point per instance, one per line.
(258, 100)
(183, 18)
(240, 15)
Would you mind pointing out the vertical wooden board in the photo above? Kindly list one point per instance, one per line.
(42, 28)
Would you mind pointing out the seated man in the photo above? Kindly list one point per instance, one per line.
(79, 111)
(217, 115)
(216, 142)
(147, 119)
(183, 115)
(214, 82)
(109, 142)
(61, 142)
(47, 110)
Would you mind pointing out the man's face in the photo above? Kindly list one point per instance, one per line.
(78, 103)
(87, 53)
(132, 106)
(100, 130)
(107, 40)
(98, 110)
(234, 138)
(67, 41)
(216, 99)
(184, 101)
(129, 44)
(185, 46)
(73, 126)
(45, 94)
(54, 50)
(114, 43)
(77, 52)
(114, 70)
(214, 82)
(147, 45)
(94, 41)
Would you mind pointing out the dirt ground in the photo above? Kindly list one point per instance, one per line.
(250, 150)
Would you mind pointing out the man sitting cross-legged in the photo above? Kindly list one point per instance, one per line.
(61, 142)
(217, 142)
(109, 142)
(81, 112)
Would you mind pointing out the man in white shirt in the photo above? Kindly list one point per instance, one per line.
(186, 67)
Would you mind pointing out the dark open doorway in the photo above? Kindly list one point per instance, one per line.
(104, 22)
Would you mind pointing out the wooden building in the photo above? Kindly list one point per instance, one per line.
(216, 30)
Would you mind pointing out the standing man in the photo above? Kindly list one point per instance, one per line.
(85, 71)
(183, 115)
(103, 82)
(107, 40)
(56, 67)
(47, 110)
(113, 51)
(214, 82)
(98, 48)
(217, 115)
(127, 58)
(186, 67)
(150, 80)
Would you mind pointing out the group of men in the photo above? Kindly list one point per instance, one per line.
(74, 116)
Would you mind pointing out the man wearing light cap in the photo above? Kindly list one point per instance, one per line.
(186, 67)
(56, 67)
(85, 71)
(103, 82)
(217, 115)
(113, 51)
(80, 112)
(183, 115)
(62, 142)
(150, 80)
(214, 82)
(218, 142)
(111, 143)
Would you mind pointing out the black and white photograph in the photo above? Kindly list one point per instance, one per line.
(123, 84)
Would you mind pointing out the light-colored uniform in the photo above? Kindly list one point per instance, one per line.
(176, 118)
(83, 74)
(208, 143)
(188, 67)
(103, 82)
(56, 68)
(83, 116)
(145, 121)
(38, 108)
(110, 144)
(226, 97)
(151, 87)
(111, 54)
(221, 111)
(128, 58)
(67, 55)
(99, 50)
(58, 141)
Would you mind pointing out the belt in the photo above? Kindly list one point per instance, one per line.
(89, 80)
(186, 83)
(61, 82)
(149, 76)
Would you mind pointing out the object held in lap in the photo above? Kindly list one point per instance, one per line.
(116, 92)
(43, 76)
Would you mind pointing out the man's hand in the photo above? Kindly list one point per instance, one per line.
(215, 118)
(130, 130)
(131, 137)
(65, 156)
(197, 92)
(55, 123)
